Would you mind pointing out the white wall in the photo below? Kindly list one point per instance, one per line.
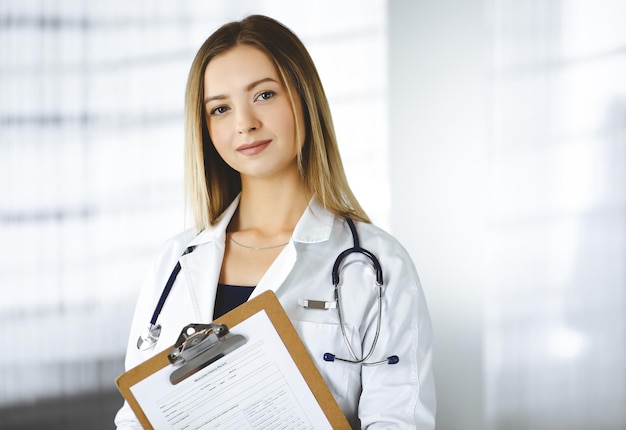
(438, 116)
(508, 155)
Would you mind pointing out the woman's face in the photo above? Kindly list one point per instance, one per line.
(249, 114)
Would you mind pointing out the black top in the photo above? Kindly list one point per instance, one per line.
(228, 297)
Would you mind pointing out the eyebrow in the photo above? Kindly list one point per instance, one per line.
(248, 88)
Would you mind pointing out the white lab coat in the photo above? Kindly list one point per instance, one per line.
(384, 396)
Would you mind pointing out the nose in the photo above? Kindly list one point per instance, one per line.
(246, 121)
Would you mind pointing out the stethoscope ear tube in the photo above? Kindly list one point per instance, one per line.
(356, 248)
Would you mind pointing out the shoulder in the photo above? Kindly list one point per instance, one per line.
(374, 235)
(323, 227)
(180, 240)
(173, 247)
(387, 248)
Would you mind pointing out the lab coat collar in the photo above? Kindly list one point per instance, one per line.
(202, 266)
(314, 226)
(217, 232)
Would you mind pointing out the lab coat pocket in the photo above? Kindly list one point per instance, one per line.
(343, 379)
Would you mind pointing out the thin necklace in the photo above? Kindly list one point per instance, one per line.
(256, 248)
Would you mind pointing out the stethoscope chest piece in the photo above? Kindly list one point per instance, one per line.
(149, 337)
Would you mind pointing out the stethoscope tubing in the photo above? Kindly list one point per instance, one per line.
(153, 331)
(168, 287)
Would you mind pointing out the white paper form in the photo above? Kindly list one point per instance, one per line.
(257, 386)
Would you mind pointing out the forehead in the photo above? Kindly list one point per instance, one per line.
(236, 68)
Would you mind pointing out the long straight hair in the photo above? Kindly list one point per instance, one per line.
(210, 183)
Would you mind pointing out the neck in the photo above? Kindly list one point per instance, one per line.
(270, 207)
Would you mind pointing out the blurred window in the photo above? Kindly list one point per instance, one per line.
(555, 336)
(91, 142)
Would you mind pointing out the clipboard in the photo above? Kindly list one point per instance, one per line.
(269, 303)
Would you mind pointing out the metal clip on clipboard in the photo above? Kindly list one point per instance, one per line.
(200, 345)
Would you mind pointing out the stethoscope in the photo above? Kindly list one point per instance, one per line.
(150, 335)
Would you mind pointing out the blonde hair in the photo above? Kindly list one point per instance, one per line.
(210, 183)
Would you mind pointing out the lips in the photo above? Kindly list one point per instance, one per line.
(254, 148)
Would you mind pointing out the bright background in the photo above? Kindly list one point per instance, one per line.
(489, 136)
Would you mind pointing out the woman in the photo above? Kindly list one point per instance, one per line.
(271, 201)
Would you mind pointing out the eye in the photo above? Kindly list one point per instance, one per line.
(266, 95)
(218, 110)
